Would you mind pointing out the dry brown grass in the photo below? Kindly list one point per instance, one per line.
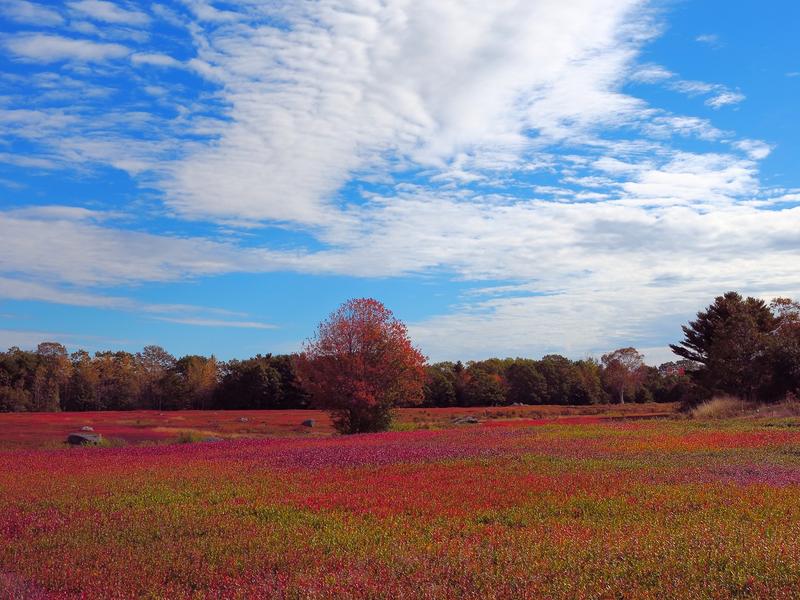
(726, 407)
(723, 407)
(788, 408)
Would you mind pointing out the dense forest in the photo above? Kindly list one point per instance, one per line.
(739, 346)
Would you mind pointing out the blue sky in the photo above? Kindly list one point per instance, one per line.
(512, 178)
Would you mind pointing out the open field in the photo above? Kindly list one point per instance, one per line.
(49, 430)
(619, 509)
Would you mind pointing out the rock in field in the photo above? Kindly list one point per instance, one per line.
(308, 423)
(84, 439)
(466, 420)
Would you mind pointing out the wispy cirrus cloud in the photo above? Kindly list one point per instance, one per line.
(155, 59)
(711, 39)
(48, 48)
(109, 12)
(725, 98)
(216, 323)
(31, 13)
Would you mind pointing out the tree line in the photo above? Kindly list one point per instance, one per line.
(50, 379)
(738, 346)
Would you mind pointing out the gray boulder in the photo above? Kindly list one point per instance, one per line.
(87, 428)
(308, 423)
(466, 420)
(84, 439)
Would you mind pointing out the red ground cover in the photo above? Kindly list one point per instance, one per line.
(29, 430)
(556, 509)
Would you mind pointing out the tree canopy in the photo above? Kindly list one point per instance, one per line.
(361, 364)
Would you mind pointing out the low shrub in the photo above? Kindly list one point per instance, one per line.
(189, 436)
(790, 407)
(722, 407)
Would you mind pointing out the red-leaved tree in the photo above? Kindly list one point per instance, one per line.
(360, 364)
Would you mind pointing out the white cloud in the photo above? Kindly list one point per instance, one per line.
(694, 88)
(32, 162)
(109, 12)
(83, 253)
(20, 289)
(755, 149)
(31, 13)
(720, 95)
(349, 87)
(59, 213)
(695, 179)
(30, 339)
(725, 99)
(40, 47)
(712, 39)
(158, 60)
(683, 125)
(216, 323)
(651, 73)
(205, 11)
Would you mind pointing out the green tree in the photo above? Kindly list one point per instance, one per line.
(118, 382)
(526, 384)
(440, 384)
(559, 375)
(198, 377)
(588, 386)
(51, 376)
(483, 387)
(83, 384)
(155, 368)
(728, 341)
(624, 372)
(17, 372)
(250, 384)
(782, 351)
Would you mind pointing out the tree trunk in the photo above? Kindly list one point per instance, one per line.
(622, 396)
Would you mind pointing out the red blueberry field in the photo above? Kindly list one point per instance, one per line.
(515, 506)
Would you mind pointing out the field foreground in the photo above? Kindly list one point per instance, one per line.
(640, 509)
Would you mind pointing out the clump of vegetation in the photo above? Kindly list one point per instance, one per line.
(727, 407)
(722, 407)
(190, 436)
(790, 407)
(106, 442)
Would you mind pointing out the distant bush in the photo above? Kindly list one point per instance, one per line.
(190, 437)
(722, 407)
(111, 443)
(790, 407)
(726, 407)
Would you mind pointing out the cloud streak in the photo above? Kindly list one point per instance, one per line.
(45, 48)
